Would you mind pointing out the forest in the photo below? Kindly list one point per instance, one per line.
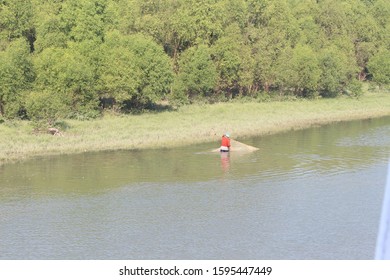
(77, 58)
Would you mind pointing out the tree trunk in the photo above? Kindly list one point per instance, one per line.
(362, 75)
(266, 87)
(1, 108)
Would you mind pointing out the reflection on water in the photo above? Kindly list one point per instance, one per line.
(310, 194)
(225, 161)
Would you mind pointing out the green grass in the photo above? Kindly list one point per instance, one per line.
(188, 125)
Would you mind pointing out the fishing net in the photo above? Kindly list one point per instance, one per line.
(236, 146)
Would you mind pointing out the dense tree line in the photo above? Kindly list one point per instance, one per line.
(76, 57)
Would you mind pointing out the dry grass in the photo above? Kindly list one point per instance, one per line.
(188, 125)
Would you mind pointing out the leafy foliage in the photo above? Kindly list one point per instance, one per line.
(128, 54)
(16, 76)
(45, 108)
(133, 70)
(67, 74)
(197, 74)
(379, 66)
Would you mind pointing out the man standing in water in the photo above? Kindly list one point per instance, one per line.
(225, 143)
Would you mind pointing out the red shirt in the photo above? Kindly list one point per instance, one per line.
(225, 141)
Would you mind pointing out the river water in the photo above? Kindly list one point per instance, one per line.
(308, 194)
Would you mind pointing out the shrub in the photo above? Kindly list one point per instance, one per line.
(197, 74)
(68, 76)
(44, 108)
(379, 67)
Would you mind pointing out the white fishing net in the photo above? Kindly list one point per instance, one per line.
(237, 146)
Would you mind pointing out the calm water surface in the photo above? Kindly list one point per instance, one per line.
(310, 194)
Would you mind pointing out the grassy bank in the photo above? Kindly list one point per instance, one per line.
(191, 124)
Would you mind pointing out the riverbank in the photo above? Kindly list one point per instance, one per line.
(187, 125)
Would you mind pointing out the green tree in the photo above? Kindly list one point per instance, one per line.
(256, 11)
(310, 32)
(364, 52)
(266, 49)
(227, 52)
(207, 18)
(278, 18)
(197, 75)
(235, 12)
(379, 67)
(134, 70)
(44, 108)
(270, 35)
(124, 15)
(16, 77)
(136, 52)
(68, 76)
(16, 21)
(73, 21)
(50, 31)
(155, 67)
(332, 18)
(363, 31)
(119, 76)
(302, 73)
(195, 22)
(87, 19)
(335, 73)
(381, 12)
